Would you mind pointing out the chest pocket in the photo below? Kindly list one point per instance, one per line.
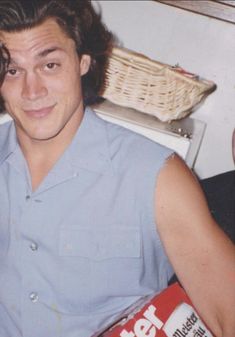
(100, 245)
(98, 268)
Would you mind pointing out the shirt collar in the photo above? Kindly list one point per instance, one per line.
(8, 140)
(89, 149)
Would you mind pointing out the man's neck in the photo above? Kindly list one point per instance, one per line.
(41, 159)
(42, 155)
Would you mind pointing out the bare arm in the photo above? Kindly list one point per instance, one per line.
(202, 255)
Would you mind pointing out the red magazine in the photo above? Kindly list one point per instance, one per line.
(167, 314)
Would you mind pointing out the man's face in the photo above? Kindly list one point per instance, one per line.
(42, 88)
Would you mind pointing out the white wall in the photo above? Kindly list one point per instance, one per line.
(199, 44)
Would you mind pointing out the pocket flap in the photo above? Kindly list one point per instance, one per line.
(100, 244)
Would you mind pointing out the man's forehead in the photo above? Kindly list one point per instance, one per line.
(49, 32)
(37, 42)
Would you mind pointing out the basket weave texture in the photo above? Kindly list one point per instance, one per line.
(133, 80)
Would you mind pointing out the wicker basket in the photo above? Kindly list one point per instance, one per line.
(135, 81)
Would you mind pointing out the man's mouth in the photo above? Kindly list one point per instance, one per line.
(39, 113)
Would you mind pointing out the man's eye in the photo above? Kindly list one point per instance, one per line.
(52, 65)
(11, 72)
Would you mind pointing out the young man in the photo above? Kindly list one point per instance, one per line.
(92, 216)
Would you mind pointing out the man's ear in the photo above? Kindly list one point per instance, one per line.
(85, 62)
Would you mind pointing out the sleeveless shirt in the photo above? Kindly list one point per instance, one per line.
(83, 246)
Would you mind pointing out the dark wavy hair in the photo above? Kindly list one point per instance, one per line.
(79, 21)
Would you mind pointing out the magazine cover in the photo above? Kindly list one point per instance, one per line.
(167, 314)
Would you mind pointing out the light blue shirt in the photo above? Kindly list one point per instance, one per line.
(84, 245)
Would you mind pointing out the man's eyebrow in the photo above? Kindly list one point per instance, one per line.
(41, 54)
(47, 51)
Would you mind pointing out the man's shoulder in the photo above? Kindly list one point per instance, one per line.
(4, 130)
(121, 137)
(132, 147)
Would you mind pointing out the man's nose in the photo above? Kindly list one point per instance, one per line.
(33, 87)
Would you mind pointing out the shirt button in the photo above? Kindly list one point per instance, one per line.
(33, 246)
(33, 297)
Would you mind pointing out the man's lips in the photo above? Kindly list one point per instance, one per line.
(39, 113)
